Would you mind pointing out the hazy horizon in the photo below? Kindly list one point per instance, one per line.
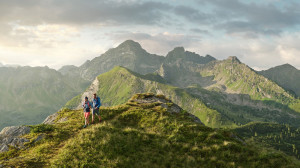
(57, 68)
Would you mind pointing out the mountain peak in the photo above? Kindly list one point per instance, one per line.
(179, 49)
(130, 43)
(287, 66)
(233, 59)
(177, 52)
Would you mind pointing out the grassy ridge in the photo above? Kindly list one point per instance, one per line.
(246, 110)
(239, 78)
(117, 86)
(139, 135)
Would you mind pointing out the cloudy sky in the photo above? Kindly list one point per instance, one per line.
(261, 34)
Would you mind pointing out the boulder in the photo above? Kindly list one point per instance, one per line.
(14, 131)
(10, 136)
(50, 119)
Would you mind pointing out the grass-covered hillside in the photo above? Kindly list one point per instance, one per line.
(30, 94)
(240, 109)
(233, 89)
(213, 108)
(118, 85)
(140, 133)
(232, 76)
(281, 137)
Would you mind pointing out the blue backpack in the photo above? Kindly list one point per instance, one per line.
(98, 101)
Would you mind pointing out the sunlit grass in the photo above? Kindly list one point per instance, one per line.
(138, 135)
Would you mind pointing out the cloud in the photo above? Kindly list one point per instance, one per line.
(254, 19)
(200, 31)
(261, 34)
(78, 12)
(261, 53)
(45, 36)
(193, 15)
(24, 23)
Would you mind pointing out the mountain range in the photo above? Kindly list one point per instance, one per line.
(223, 94)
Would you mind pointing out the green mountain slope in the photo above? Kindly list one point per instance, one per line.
(214, 109)
(286, 76)
(139, 135)
(116, 87)
(230, 77)
(241, 109)
(29, 95)
(233, 77)
(281, 137)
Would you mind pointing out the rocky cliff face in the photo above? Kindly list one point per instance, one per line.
(89, 92)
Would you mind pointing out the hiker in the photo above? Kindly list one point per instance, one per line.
(96, 106)
(86, 110)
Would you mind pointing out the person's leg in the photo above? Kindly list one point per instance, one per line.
(85, 119)
(97, 111)
(99, 118)
(99, 115)
(86, 116)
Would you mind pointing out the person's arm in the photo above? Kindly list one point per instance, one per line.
(90, 105)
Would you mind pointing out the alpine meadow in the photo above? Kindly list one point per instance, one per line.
(131, 84)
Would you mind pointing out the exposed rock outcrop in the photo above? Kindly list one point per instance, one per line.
(10, 136)
(94, 87)
(164, 102)
(50, 119)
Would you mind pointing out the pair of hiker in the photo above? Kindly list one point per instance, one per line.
(87, 106)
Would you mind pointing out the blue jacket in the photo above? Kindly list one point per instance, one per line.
(96, 102)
